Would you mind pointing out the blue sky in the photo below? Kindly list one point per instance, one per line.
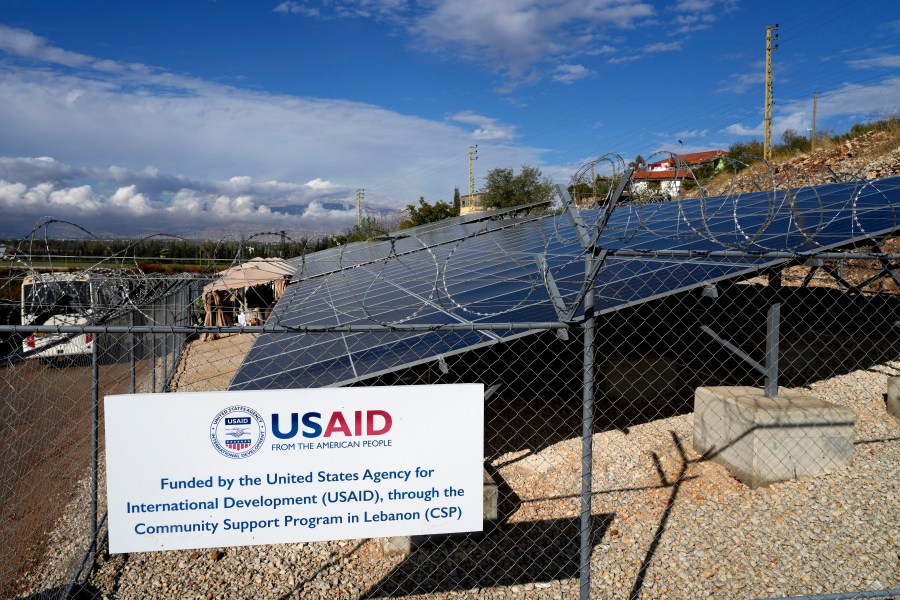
(197, 117)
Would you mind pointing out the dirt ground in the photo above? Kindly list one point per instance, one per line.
(208, 366)
(46, 444)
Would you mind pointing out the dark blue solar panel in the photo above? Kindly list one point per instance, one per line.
(485, 271)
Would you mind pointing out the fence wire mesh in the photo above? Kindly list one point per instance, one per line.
(698, 483)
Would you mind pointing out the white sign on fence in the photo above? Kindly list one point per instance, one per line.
(215, 469)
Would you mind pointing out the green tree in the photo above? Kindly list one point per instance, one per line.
(426, 213)
(791, 140)
(746, 151)
(503, 188)
(367, 231)
(637, 163)
(599, 190)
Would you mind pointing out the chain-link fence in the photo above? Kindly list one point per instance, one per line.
(667, 516)
(709, 411)
(53, 384)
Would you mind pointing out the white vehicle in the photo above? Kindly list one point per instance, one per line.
(60, 299)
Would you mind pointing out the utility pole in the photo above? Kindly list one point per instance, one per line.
(360, 194)
(812, 139)
(767, 119)
(473, 156)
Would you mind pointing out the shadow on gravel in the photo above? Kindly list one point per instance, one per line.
(511, 554)
(79, 592)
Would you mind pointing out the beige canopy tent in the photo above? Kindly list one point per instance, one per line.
(236, 281)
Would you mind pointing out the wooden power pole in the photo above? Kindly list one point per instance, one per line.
(473, 156)
(360, 194)
(767, 119)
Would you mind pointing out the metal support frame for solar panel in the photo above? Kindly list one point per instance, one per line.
(769, 368)
(716, 266)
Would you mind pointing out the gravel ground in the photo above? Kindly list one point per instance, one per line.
(666, 525)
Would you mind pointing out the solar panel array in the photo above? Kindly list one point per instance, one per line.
(486, 272)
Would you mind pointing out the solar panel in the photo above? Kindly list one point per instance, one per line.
(404, 241)
(486, 272)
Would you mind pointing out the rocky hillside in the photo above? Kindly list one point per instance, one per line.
(872, 155)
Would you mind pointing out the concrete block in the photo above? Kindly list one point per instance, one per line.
(404, 544)
(764, 440)
(893, 397)
(642, 378)
(491, 495)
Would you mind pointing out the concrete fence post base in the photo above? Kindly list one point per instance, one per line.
(762, 440)
(404, 544)
(893, 397)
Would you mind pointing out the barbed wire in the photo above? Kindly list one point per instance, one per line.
(730, 206)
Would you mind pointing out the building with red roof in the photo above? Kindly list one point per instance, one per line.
(664, 178)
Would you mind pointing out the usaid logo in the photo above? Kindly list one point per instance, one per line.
(237, 432)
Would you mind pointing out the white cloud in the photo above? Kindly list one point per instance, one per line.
(380, 9)
(797, 120)
(512, 36)
(882, 98)
(198, 135)
(618, 60)
(487, 128)
(320, 184)
(127, 211)
(696, 15)
(662, 47)
(853, 100)
(887, 61)
(27, 45)
(291, 7)
(160, 140)
(692, 133)
(569, 74)
(738, 129)
(131, 201)
(739, 83)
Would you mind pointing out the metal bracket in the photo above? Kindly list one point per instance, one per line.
(837, 177)
(816, 264)
(559, 305)
(611, 205)
(590, 276)
(491, 391)
(773, 338)
(597, 256)
(887, 267)
(574, 216)
(837, 277)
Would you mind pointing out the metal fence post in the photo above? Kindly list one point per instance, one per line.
(153, 357)
(132, 351)
(587, 438)
(773, 338)
(95, 436)
(165, 348)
